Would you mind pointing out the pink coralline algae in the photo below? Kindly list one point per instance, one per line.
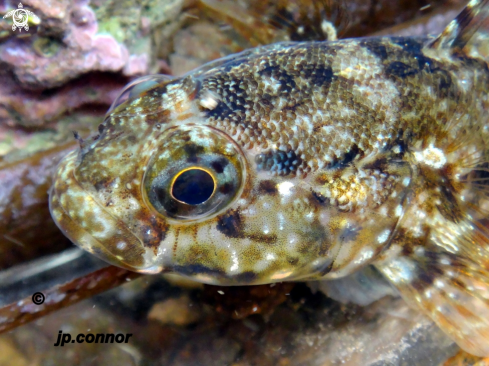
(60, 54)
(81, 50)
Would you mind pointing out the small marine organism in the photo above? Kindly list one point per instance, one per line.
(299, 161)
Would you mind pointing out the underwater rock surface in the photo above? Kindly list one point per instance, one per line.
(75, 39)
(207, 327)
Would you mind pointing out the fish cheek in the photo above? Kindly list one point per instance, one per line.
(270, 235)
(275, 233)
(201, 254)
(230, 224)
(152, 230)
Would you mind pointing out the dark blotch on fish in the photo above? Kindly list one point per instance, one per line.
(219, 165)
(103, 183)
(319, 76)
(194, 269)
(192, 151)
(377, 48)
(349, 234)
(319, 197)
(267, 187)
(230, 224)
(425, 279)
(412, 49)
(450, 207)
(287, 82)
(346, 158)
(281, 162)
(153, 233)
(400, 69)
(164, 199)
(246, 277)
(226, 188)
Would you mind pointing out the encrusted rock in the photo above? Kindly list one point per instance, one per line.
(73, 40)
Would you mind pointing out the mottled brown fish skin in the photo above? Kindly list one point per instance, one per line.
(339, 121)
(319, 158)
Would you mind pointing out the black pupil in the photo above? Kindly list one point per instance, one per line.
(193, 187)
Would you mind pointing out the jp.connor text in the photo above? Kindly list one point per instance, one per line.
(64, 338)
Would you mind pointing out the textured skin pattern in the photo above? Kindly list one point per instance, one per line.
(326, 156)
(351, 114)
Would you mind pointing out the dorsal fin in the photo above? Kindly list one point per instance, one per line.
(469, 30)
(313, 20)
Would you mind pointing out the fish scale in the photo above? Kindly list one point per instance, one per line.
(319, 158)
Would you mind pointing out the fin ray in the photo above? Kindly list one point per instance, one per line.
(471, 23)
(449, 280)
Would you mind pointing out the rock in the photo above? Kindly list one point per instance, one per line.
(73, 41)
(306, 329)
(177, 311)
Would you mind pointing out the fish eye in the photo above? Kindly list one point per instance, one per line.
(193, 186)
(196, 172)
(138, 86)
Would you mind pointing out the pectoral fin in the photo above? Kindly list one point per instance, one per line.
(448, 278)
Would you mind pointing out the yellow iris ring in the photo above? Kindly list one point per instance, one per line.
(186, 170)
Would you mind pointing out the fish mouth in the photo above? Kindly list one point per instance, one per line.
(89, 225)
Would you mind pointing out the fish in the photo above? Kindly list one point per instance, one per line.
(303, 161)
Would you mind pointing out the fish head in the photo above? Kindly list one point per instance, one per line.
(162, 189)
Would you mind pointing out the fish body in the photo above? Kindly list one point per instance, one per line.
(300, 161)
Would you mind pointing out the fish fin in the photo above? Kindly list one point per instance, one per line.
(448, 278)
(468, 32)
(310, 20)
